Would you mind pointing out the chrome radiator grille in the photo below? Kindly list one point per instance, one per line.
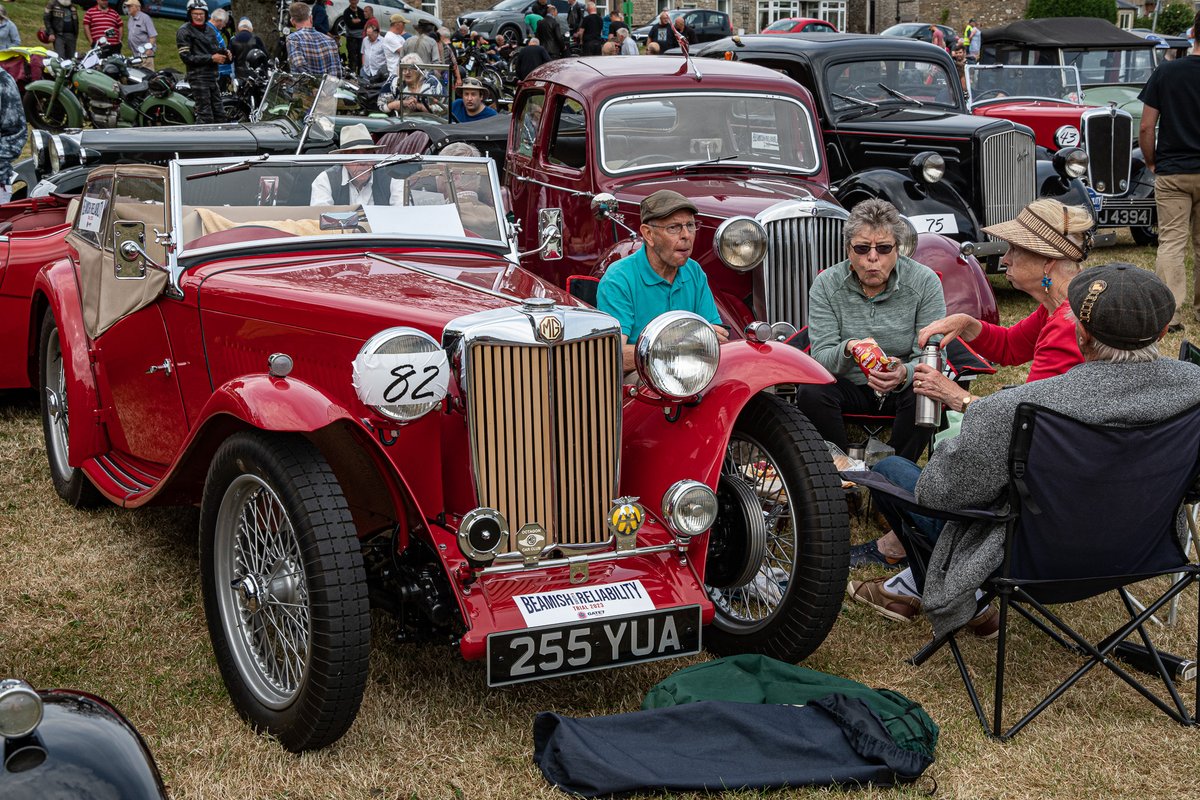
(1108, 139)
(797, 249)
(545, 426)
(1008, 174)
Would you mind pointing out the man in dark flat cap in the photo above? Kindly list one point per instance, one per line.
(1121, 312)
(661, 276)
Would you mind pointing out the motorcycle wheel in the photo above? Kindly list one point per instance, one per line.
(778, 555)
(285, 591)
(45, 114)
(235, 109)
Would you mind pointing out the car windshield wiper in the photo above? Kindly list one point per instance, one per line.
(238, 167)
(707, 161)
(900, 95)
(397, 158)
(857, 101)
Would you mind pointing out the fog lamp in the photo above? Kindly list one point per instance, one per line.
(481, 534)
(20, 709)
(689, 509)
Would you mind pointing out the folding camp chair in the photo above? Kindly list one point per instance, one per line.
(1094, 509)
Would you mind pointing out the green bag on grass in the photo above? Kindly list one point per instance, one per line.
(759, 679)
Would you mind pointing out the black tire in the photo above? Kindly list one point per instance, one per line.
(69, 482)
(787, 609)
(291, 629)
(1145, 237)
(512, 34)
(44, 114)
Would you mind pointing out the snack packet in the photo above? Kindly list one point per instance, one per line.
(869, 355)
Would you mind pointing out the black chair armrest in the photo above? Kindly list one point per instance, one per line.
(877, 483)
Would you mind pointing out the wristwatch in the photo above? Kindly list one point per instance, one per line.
(966, 401)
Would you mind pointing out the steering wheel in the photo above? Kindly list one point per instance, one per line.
(861, 90)
(990, 93)
(649, 158)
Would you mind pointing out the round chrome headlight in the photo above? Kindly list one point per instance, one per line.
(908, 242)
(54, 153)
(1071, 162)
(402, 373)
(740, 243)
(689, 508)
(677, 354)
(1067, 136)
(928, 167)
(20, 709)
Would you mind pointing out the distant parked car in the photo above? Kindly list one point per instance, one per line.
(175, 9)
(920, 30)
(508, 17)
(708, 25)
(382, 9)
(800, 25)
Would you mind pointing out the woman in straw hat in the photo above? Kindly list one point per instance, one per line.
(1047, 243)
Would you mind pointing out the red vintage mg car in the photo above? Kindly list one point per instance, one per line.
(373, 404)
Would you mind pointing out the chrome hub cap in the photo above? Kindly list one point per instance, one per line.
(56, 408)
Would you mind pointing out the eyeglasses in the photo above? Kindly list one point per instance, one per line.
(882, 249)
(676, 228)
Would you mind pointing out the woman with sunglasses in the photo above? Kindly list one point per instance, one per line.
(879, 294)
(1047, 243)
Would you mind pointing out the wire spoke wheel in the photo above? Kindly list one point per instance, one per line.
(44, 113)
(265, 609)
(285, 592)
(69, 482)
(778, 554)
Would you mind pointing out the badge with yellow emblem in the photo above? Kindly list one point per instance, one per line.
(624, 519)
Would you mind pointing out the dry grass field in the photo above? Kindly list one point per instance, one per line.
(109, 601)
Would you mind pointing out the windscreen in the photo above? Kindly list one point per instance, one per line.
(369, 196)
(1111, 66)
(648, 132)
(994, 82)
(878, 83)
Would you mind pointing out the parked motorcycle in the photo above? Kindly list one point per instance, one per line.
(103, 88)
(492, 71)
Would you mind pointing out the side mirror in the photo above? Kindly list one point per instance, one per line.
(128, 241)
(604, 205)
(550, 233)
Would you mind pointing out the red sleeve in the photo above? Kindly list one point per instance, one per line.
(1011, 346)
(1057, 349)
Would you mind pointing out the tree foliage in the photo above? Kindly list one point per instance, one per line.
(1173, 19)
(1104, 9)
(265, 16)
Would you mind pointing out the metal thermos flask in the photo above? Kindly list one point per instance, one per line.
(929, 411)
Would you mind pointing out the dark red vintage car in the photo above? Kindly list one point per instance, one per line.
(740, 140)
(373, 404)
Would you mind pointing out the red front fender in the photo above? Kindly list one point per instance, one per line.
(86, 437)
(658, 452)
(274, 404)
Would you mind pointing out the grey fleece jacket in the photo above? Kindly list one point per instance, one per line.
(971, 470)
(839, 311)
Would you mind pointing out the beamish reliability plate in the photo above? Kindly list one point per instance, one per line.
(535, 653)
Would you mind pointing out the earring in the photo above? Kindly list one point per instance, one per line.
(1046, 283)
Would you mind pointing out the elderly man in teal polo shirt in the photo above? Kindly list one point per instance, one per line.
(660, 277)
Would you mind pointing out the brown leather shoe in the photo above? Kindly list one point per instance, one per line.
(986, 624)
(872, 593)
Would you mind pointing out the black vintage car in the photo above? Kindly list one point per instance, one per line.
(896, 126)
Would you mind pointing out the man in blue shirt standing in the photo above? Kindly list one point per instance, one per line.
(661, 276)
(469, 107)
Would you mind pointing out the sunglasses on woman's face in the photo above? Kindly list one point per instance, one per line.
(882, 249)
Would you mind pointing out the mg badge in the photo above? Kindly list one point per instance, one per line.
(625, 518)
(550, 328)
(530, 541)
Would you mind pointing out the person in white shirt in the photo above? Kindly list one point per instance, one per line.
(374, 51)
(354, 184)
(628, 45)
(393, 42)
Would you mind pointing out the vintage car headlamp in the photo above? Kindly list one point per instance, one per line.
(927, 167)
(1071, 162)
(908, 242)
(20, 709)
(1066, 136)
(740, 243)
(481, 534)
(677, 354)
(689, 508)
(401, 373)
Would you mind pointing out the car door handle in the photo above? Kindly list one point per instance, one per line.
(165, 367)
